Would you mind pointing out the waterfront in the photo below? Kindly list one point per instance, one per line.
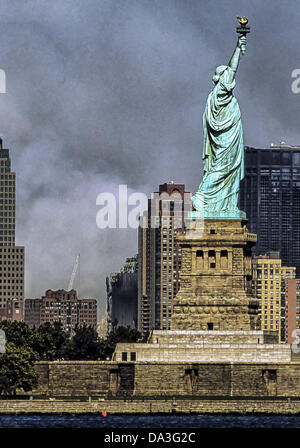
(147, 421)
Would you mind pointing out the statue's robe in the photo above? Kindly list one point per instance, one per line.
(223, 152)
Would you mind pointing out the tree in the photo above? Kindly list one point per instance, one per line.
(84, 344)
(18, 333)
(119, 334)
(17, 363)
(17, 369)
(50, 341)
(5, 387)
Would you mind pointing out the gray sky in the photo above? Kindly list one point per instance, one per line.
(109, 92)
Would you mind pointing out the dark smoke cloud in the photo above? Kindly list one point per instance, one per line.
(109, 92)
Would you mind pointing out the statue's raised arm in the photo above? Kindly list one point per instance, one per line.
(235, 58)
(223, 147)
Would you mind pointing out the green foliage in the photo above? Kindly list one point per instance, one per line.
(119, 334)
(5, 387)
(84, 345)
(17, 363)
(17, 369)
(18, 332)
(50, 341)
(25, 346)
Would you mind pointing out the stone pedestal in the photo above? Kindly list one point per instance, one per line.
(215, 281)
(215, 314)
(207, 346)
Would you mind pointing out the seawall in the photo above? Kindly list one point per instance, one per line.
(167, 379)
(181, 406)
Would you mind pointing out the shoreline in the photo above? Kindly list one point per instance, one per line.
(152, 407)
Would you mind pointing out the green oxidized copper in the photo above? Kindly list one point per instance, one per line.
(223, 147)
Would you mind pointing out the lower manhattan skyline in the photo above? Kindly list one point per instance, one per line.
(93, 93)
(149, 218)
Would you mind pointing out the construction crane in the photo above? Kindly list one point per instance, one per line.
(73, 275)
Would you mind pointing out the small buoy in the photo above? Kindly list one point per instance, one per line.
(104, 413)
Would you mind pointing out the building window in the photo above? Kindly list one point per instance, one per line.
(271, 375)
(224, 259)
(133, 356)
(199, 259)
(124, 356)
(212, 258)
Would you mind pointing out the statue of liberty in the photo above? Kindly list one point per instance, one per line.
(223, 147)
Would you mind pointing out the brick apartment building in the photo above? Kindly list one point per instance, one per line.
(61, 306)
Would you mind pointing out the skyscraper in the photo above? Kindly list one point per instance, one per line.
(122, 296)
(159, 256)
(269, 285)
(270, 196)
(11, 256)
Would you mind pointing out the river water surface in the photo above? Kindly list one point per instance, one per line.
(149, 421)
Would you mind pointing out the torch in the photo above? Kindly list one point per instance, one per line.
(243, 29)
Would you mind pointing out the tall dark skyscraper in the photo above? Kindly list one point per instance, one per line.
(11, 256)
(270, 196)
